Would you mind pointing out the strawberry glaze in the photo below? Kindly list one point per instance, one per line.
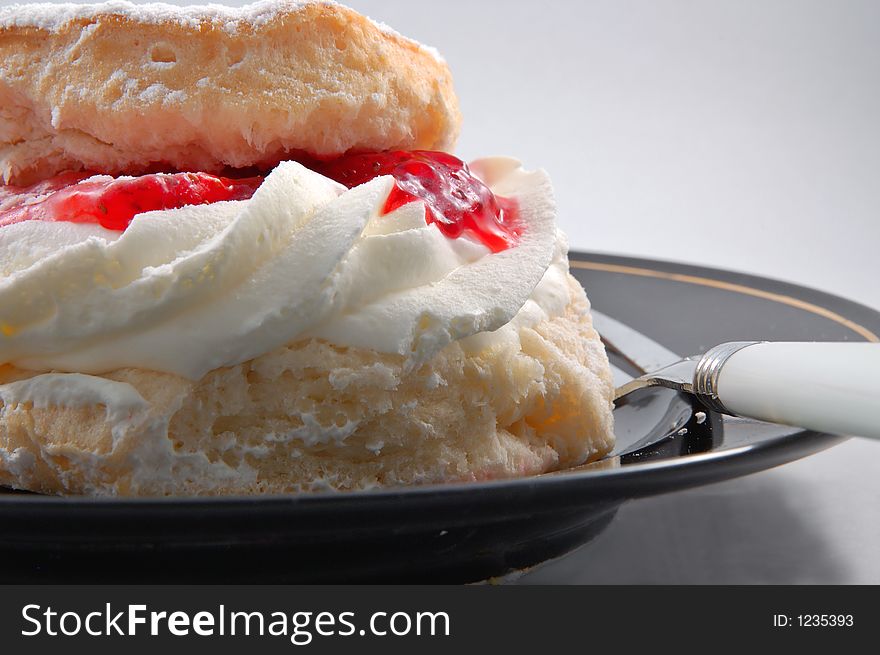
(113, 202)
(455, 200)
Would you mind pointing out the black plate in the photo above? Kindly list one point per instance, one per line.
(455, 533)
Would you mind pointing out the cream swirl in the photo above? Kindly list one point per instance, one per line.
(189, 290)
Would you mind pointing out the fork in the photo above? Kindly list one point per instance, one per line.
(826, 386)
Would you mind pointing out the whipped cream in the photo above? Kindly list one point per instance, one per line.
(188, 290)
(74, 390)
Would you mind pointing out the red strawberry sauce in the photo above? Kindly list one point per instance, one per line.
(457, 201)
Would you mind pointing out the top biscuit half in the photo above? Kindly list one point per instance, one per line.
(122, 88)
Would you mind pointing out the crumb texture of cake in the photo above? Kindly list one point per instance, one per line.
(123, 88)
(312, 416)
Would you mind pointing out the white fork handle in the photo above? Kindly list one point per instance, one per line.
(830, 387)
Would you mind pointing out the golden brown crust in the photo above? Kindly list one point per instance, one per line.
(113, 92)
(312, 416)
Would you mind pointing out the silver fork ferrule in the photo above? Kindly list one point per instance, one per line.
(709, 368)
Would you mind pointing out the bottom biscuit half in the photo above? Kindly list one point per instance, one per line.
(313, 416)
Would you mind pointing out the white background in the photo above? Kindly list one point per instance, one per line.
(742, 134)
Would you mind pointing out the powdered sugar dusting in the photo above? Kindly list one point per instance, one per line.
(52, 17)
(392, 32)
